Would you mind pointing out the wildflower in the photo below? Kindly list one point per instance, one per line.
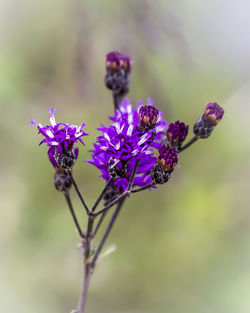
(118, 67)
(121, 144)
(60, 138)
(205, 124)
(177, 133)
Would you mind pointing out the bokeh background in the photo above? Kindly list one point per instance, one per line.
(181, 248)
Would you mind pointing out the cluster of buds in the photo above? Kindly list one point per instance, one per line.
(208, 120)
(118, 68)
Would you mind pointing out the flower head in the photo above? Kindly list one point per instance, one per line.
(213, 113)
(121, 144)
(60, 138)
(177, 132)
(167, 157)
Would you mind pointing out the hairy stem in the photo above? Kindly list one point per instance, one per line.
(67, 197)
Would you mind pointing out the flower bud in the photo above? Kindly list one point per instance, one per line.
(159, 175)
(213, 113)
(205, 124)
(118, 67)
(177, 133)
(62, 180)
(167, 157)
(148, 116)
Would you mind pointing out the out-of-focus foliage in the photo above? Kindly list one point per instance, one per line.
(181, 248)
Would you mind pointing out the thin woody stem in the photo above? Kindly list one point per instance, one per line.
(99, 224)
(87, 271)
(112, 203)
(143, 188)
(78, 191)
(116, 101)
(131, 180)
(104, 238)
(86, 280)
(101, 195)
(191, 141)
(67, 197)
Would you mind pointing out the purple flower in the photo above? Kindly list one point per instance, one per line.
(60, 138)
(121, 144)
(167, 157)
(177, 132)
(116, 61)
(213, 113)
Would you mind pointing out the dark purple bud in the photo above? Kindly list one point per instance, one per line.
(62, 180)
(167, 157)
(202, 129)
(213, 113)
(116, 61)
(159, 175)
(118, 68)
(177, 132)
(148, 116)
(205, 124)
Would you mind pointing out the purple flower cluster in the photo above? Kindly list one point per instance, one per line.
(60, 138)
(122, 143)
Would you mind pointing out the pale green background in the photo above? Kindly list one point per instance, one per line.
(181, 248)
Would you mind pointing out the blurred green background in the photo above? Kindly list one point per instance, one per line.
(181, 248)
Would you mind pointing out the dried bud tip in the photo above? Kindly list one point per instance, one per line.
(213, 113)
(116, 61)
